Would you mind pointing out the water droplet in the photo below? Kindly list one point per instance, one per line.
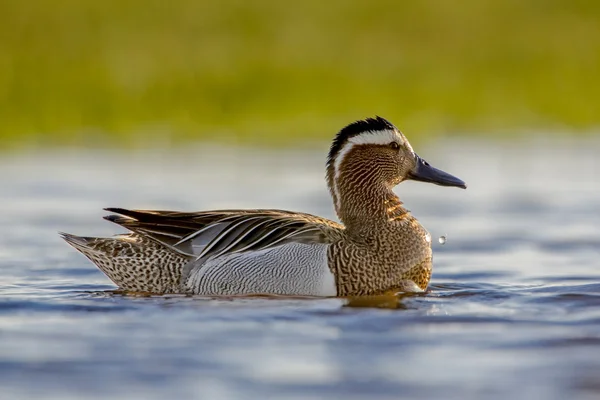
(442, 239)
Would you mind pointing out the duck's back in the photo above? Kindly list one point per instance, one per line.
(230, 252)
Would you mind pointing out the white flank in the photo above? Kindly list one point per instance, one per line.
(328, 286)
(289, 269)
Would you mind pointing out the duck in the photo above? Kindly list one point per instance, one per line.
(377, 248)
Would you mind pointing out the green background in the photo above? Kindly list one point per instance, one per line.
(148, 73)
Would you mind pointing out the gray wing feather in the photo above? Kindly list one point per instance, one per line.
(291, 269)
(212, 234)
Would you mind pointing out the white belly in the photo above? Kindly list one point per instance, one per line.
(291, 269)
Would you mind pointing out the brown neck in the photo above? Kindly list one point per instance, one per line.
(361, 206)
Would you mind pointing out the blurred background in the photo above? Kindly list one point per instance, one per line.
(195, 105)
(156, 73)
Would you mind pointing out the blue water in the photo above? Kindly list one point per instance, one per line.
(513, 310)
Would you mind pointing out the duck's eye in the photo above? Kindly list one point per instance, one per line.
(394, 145)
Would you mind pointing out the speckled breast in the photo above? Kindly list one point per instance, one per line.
(388, 262)
(420, 256)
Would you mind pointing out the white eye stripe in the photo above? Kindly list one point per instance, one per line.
(383, 137)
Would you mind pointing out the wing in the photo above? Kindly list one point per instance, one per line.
(209, 234)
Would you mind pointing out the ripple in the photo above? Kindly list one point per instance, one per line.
(513, 309)
(45, 307)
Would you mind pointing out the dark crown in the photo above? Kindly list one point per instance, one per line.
(355, 129)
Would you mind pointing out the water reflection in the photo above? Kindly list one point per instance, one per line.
(513, 309)
(388, 301)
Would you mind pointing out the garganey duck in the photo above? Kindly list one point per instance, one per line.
(380, 248)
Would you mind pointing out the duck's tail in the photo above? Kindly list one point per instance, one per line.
(134, 263)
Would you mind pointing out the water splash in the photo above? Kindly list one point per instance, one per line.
(442, 239)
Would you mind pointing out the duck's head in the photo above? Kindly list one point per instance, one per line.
(374, 152)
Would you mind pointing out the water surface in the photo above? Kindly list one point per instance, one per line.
(513, 310)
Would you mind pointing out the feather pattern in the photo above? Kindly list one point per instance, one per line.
(211, 234)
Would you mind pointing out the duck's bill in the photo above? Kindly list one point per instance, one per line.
(424, 172)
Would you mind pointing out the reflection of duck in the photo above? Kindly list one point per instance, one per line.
(380, 248)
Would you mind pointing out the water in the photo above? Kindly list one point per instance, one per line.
(513, 309)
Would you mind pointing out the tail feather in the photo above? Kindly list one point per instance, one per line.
(132, 262)
(79, 242)
(117, 219)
